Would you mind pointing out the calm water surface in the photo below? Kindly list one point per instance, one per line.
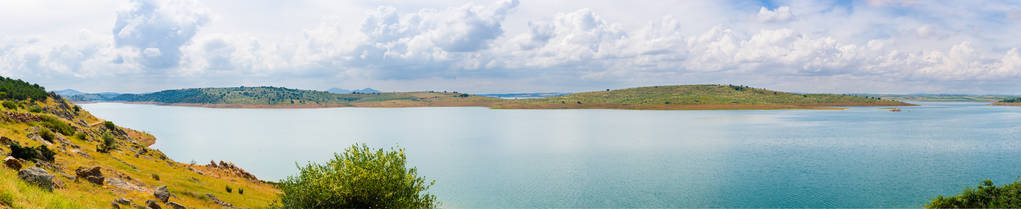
(859, 157)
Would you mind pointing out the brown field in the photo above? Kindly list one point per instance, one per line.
(1007, 103)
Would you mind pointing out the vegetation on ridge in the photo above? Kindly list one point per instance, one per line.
(986, 195)
(654, 97)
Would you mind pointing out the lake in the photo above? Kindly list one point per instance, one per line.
(479, 157)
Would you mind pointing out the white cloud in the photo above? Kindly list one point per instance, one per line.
(158, 29)
(574, 46)
(780, 14)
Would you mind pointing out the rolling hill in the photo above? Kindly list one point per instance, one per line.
(654, 97)
(61, 156)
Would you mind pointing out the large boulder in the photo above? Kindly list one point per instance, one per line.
(12, 163)
(122, 201)
(162, 194)
(175, 205)
(218, 201)
(152, 204)
(37, 176)
(93, 174)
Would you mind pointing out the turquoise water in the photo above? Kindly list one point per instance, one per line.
(859, 157)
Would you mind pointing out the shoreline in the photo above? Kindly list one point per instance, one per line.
(1006, 103)
(492, 105)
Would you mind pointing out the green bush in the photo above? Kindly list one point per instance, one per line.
(35, 109)
(47, 154)
(24, 153)
(46, 134)
(27, 153)
(358, 178)
(108, 143)
(10, 105)
(986, 195)
(81, 136)
(109, 125)
(58, 125)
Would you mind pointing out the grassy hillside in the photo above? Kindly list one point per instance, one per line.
(131, 170)
(655, 97)
(698, 97)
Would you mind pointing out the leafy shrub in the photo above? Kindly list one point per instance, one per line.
(46, 134)
(986, 195)
(81, 136)
(35, 109)
(27, 153)
(109, 125)
(10, 105)
(358, 178)
(58, 125)
(24, 153)
(46, 153)
(108, 143)
(229, 190)
(77, 109)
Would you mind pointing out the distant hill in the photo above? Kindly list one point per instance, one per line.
(698, 97)
(359, 91)
(654, 97)
(524, 95)
(67, 92)
(939, 97)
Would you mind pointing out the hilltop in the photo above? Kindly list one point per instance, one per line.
(61, 156)
(698, 97)
(654, 97)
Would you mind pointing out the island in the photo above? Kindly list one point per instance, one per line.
(673, 97)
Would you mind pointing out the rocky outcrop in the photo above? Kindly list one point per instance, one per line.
(218, 201)
(162, 194)
(12, 163)
(122, 201)
(19, 117)
(37, 176)
(116, 182)
(93, 175)
(152, 204)
(232, 169)
(175, 205)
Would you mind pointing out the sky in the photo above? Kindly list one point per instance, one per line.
(504, 46)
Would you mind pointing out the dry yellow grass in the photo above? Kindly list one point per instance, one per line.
(132, 162)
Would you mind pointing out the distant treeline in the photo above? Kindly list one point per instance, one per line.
(20, 90)
(1011, 100)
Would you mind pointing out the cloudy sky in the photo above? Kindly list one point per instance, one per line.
(874, 46)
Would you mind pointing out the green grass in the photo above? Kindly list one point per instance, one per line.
(702, 95)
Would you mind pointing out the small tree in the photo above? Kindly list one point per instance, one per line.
(109, 125)
(108, 143)
(358, 178)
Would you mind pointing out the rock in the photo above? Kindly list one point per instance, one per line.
(162, 194)
(93, 174)
(123, 184)
(12, 163)
(152, 204)
(79, 152)
(175, 205)
(37, 176)
(114, 205)
(218, 201)
(122, 201)
(5, 141)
